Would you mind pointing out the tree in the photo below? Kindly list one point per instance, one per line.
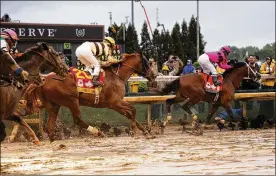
(192, 37)
(156, 41)
(176, 43)
(267, 50)
(184, 39)
(120, 35)
(132, 44)
(145, 41)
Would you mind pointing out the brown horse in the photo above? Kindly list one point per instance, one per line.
(58, 92)
(190, 90)
(37, 58)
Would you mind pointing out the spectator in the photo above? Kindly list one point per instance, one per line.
(198, 69)
(248, 83)
(165, 71)
(169, 63)
(267, 107)
(153, 65)
(174, 64)
(268, 66)
(258, 62)
(6, 18)
(237, 113)
(189, 68)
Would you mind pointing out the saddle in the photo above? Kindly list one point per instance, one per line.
(210, 87)
(84, 82)
(209, 84)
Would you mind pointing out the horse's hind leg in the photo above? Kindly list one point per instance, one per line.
(2, 131)
(196, 125)
(22, 122)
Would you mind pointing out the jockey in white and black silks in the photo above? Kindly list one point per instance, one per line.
(91, 53)
(9, 40)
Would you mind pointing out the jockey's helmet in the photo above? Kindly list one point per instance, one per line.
(226, 50)
(165, 68)
(9, 33)
(109, 41)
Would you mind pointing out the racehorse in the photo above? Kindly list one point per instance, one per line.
(190, 90)
(34, 59)
(63, 92)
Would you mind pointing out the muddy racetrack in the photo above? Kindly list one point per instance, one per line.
(227, 152)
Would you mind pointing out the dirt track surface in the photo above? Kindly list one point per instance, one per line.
(229, 152)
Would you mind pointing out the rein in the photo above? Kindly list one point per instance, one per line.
(250, 69)
(142, 73)
(45, 57)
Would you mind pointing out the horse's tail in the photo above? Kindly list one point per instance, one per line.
(172, 86)
(32, 95)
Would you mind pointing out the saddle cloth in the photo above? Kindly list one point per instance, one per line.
(209, 84)
(84, 80)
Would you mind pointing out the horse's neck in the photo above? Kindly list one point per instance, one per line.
(124, 72)
(236, 77)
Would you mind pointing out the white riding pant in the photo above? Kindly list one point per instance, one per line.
(84, 53)
(206, 65)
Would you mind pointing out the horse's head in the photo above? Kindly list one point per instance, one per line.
(51, 59)
(141, 66)
(245, 69)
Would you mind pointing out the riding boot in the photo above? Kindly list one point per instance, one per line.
(95, 81)
(215, 80)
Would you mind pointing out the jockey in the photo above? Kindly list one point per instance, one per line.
(8, 44)
(208, 59)
(88, 53)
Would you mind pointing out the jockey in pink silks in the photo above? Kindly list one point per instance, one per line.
(208, 59)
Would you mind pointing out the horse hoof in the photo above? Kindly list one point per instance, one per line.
(146, 133)
(10, 139)
(131, 133)
(36, 143)
(101, 134)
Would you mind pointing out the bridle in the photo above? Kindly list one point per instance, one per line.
(250, 69)
(46, 58)
(144, 68)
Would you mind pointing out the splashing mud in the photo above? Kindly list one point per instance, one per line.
(228, 152)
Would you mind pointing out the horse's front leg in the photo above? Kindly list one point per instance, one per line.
(22, 122)
(213, 109)
(2, 131)
(129, 111)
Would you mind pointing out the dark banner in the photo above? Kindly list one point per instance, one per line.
(63, 32)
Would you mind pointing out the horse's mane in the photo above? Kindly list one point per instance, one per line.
(24, 57)
(235, 66)
(126, 56)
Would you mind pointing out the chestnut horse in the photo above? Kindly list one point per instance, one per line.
(34, 59)
(190, 90)
(58, 92)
